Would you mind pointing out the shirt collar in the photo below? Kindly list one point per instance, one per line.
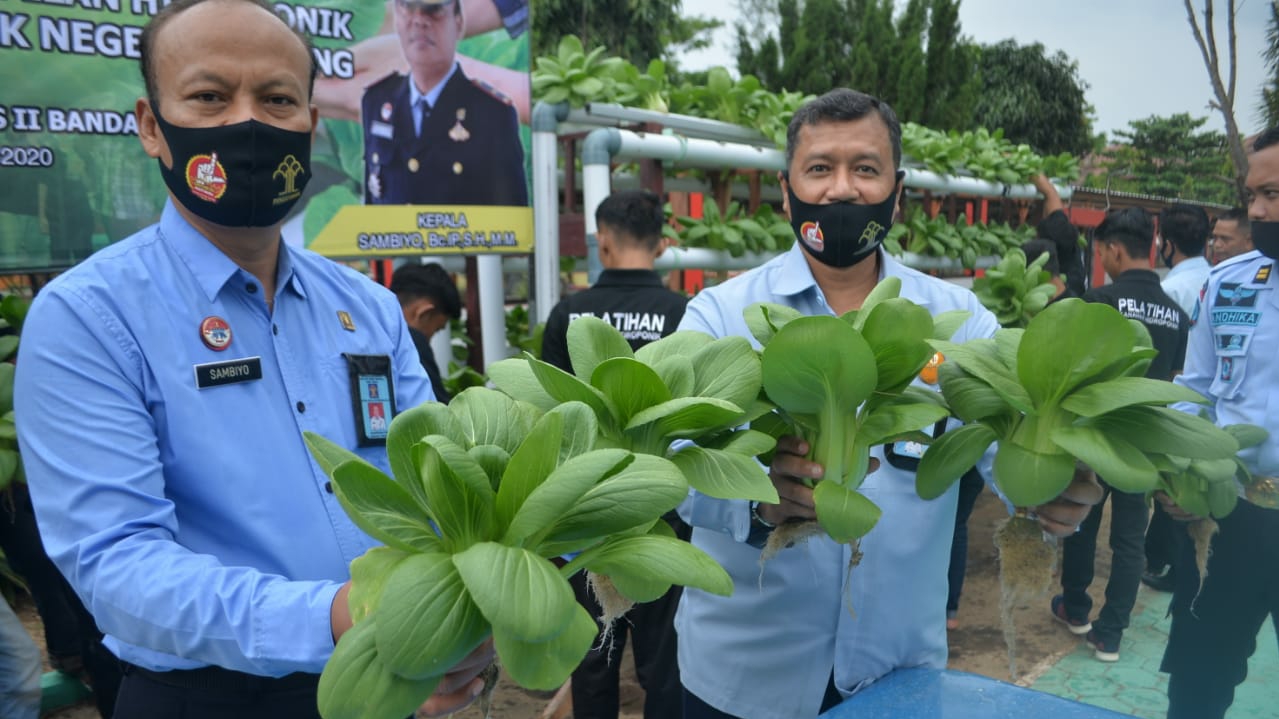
(432, 95)
(630, 277)
(1190, 265)
(211, 268)
(796, 277)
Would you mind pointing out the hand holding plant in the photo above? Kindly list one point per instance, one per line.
(485, 491)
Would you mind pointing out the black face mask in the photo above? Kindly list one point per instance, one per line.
(1165, 252)
(1265, 237)
(842, 234)
(244, 175)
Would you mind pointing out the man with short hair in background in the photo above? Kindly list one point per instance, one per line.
(630, 296)
(1231, 235)
(1183, 235)
(429, 299)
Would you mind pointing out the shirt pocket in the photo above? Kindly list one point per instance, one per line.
(1236, 312)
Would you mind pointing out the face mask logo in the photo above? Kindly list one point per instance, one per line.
(841, 234)
(289, 169)
(811, 234)
(206, 177)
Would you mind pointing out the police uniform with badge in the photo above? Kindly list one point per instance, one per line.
(467, 153)
(1230, 361)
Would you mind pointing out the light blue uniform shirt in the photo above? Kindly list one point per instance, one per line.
(768, 651)
(1230, 353)
(1183, 282)
(193, 522)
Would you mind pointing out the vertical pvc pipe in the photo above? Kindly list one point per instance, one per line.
(597, 153)
(546, 220)
(492, 308)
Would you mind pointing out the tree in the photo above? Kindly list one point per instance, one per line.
(918, 63)
(1169, 157)
(1224, 91)
(637, 30)
(1270, 95)
(1037, 99)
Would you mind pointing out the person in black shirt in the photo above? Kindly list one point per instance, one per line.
(429, 299)
(1056, 228)
(630, 296)
(1124, 240)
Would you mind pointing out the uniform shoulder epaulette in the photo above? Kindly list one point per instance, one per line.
(389, 79)
(491, 91)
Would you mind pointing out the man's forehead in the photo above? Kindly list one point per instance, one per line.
(822, 137)
(1263, 167)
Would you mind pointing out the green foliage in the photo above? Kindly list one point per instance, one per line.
(1268, 108)
(683, 386)
(485, 491)
(1049, 400)
(637, 30)
(982, 154)
(1015, 291)
(1170, 157)
(840, 384)
(937, 237)
(1037, 99)
(734, 231)
(578, 77)
(573, 75)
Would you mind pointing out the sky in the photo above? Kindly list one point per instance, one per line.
(1138, 57)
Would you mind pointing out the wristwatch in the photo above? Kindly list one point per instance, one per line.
(760, 528)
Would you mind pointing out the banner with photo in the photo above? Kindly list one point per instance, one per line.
(448, 179)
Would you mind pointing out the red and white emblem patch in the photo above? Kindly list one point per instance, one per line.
(216, 333)
(206, 178)
(386, 112)
(811, 234)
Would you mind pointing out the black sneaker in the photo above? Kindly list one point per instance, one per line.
(1104, 650)
(1164, 581)
(1078, 627)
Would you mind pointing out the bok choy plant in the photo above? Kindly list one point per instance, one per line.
(485, 490)
(685, 386)
(1070, 388)
(843, 384)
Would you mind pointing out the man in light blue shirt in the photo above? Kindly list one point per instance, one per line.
(164, 385)
(1183, 235)
(785, 645)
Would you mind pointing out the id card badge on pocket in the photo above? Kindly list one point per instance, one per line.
(372, 397)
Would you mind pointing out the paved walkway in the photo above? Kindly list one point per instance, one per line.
(1134, 685)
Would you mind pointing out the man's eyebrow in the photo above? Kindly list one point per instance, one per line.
(865, 156)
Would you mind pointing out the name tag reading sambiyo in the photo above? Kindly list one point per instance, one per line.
(213, 374)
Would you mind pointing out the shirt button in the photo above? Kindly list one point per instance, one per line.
(251, 288)
(328, 487)
(275, 329)
(301, 406)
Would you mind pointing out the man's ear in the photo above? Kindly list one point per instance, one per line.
(149, 129)
(785, 183)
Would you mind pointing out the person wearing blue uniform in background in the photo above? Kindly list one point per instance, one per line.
(434, 136)
(785, 645)
(1230, 360)
(164, 385)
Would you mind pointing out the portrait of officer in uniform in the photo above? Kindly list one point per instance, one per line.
(435, 136)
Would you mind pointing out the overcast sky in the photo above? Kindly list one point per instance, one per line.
(1138, 57)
